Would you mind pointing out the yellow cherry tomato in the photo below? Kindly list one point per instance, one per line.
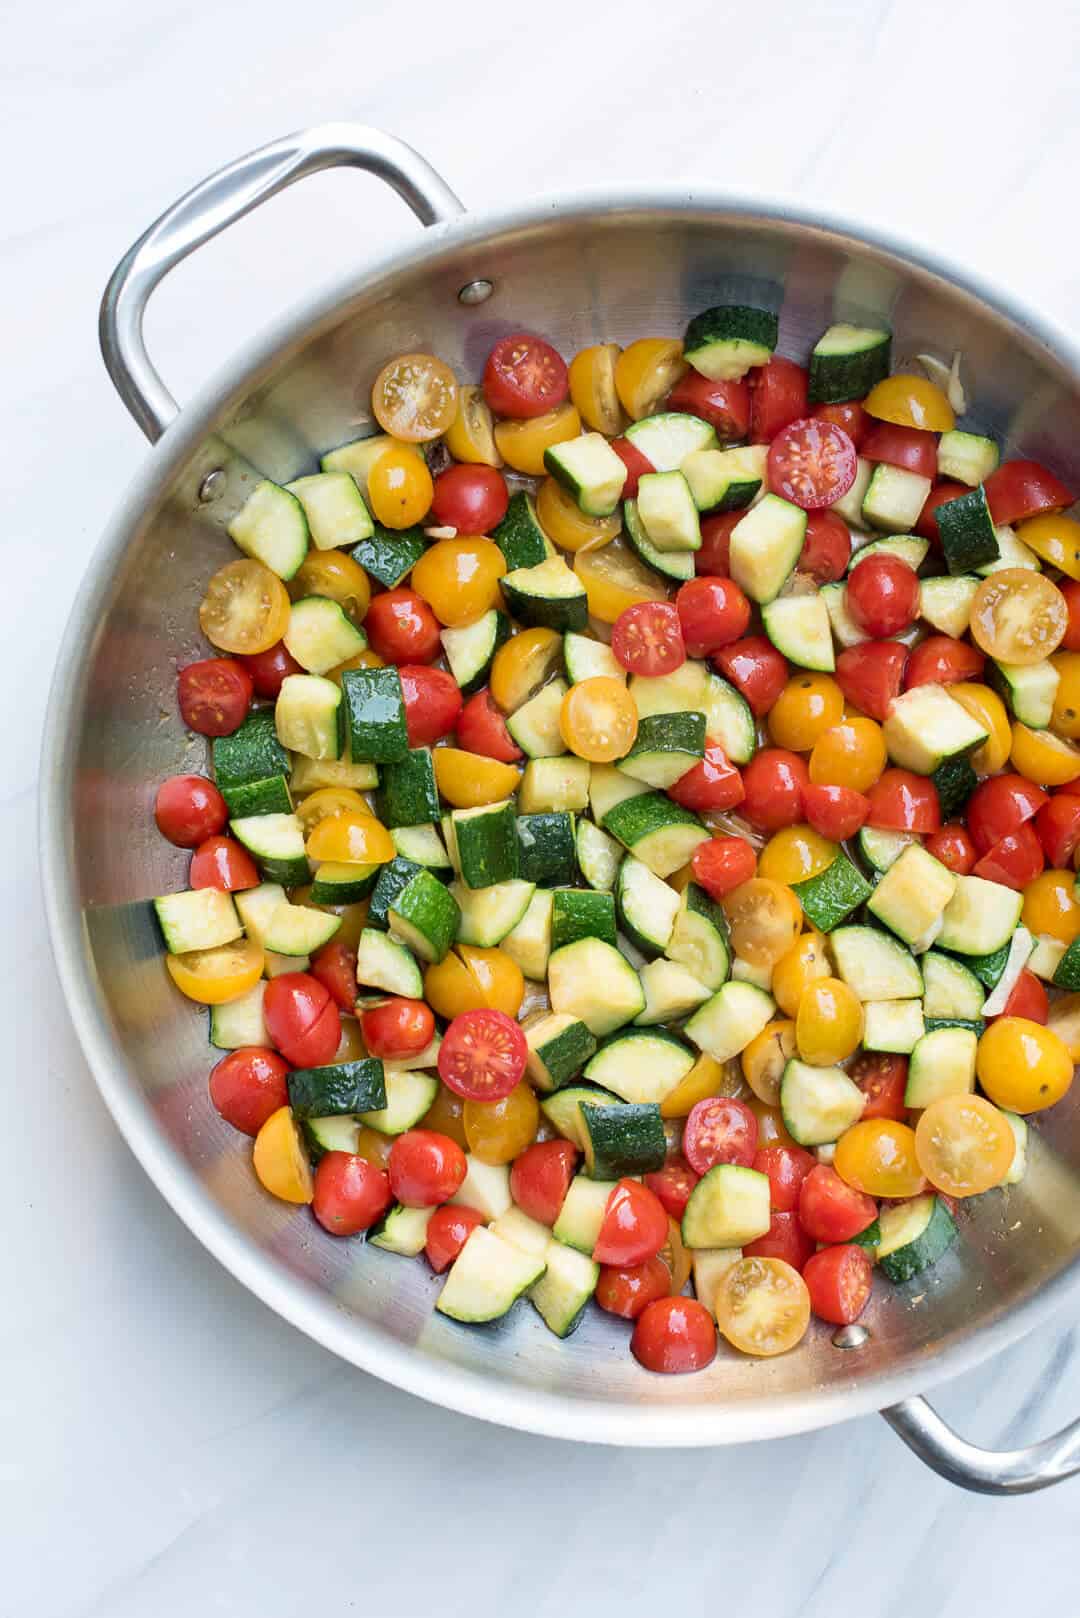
(614, 579)
(470, 437)
(563, 520)
(353, 916)
(795, 853)
(645, 373)
(592, 388)
(706, 1078)
(805, 962)
(765, 919)
(466, 780)
(1065, 719)
(470, 978)
(987, 708)
(911, 401)
(964, 1144)
(598, 719)
(328, 801)
(764, 1060)
(350, 838)
(850, 754)
(1064, 1021)
(1043, 757)
(681, 879)
(878, 1156)
(366, 659)
(675, 1256)
(245, 608)
(280, 1160)
(522, 443)
(376, 1148)
(808, 706)
(333, 574)
(400, 488)
(497, 1131)
(1050, 908)
(772, 1131)
(1018, 616)
(762, 1306)
(1056, 538)
(1023, 1066)
(522, 664)
(215, 976)
(459, 578)
(829, 1022)
(446, 1116)
(415, 397)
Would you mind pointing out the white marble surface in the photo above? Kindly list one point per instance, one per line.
(204, 1457)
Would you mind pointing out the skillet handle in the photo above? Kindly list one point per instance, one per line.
(218, 202)
(985, 1471)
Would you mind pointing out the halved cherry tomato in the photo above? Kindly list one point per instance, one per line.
(426, 1168)
(446, 1116)
(648, 639)
(674, 1335)
(1000, 806)
(1039, 755)
(1018, 616)
(714, 783)
(830, 1210)
(723, 864)
(188, 809)
(481, 729)
(524, 442)
(634, 1227)
(762, 1306)
(787, 1168)
(592, 387)
(713, 612)
(785, 1239)
(988, 711)
(870, 675)
(280, 1162)
(398, 1027)
(448, 1229)
(904, 801)
(302, 1019)
(911, 401)
(1020, 489)
(336, 576)
(826, 547)
(563, 520)
(472, 499)
(248, 1085)
(402, 627)
(1028, 999)
(755, 668)
(764, 918)
(524, 376)
(954, 848)
(851, 416)
(627, 1291)
(1058, 827)
(839, 1281)
(809, 705)
(940, 660)
(637, 465)
(598, 720)
(719, 1130)
(269, 668)
(812, 463)
(883, 595)
(432, 703)
(906, 447)
(1070, 590)
(466, 780)
(245, 608)
(927, 524)
(540, 1178)
(795, 853)
(674, 1183)
(222, 862)
(773, 783)
(350, 1193)
(354, 837)
(414, 397)
(522, 665)
(1014, 861)
(964, 1144)
(470, 979)
(335, 966)
(714, 557)
(214, 695)
(724, 405)
(482, 1056)
(778, 397)
(835, 812)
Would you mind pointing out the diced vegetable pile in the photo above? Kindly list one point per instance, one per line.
(640, 850)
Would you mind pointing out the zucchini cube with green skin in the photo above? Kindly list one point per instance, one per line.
(319, 635)
(535, 725)
(298, 929)
(641, 1065)
(1067, 973)
(968, 537)
(546, 848)
(563, 1109)
(849, 506)
(337, 1089)
(520, 537)
(894, 499)
(423, 845)
(671, 993)
(470, 650)
(487, 844)
(487, 1277)
(252, 753)
(765, 547)
(200, 919)
(710, 1265)
(656, 831)
(271, 527)
(875, 965)
(914, 1236)
(967, 457)
(586, 659)
(490, 916)
(670, 564)
(582, 1213)
(269, 797)
(1028, 689)
(591, 980)
(375, 712)
(567, 1284)
(598, 855)
(945, 603)
(240, 1022)
(667, 438)
(818, 1103)
(407, 794)
(311, 775)
(401, 1230)
(332, 1134)
(309, 716)
(911, 897)
(846, 362)
(954, 781)
(359, 456)
(951, 989)
(725, 479)
(336, 883)
(799, 627)
(392, 877)
(726, 341)
(942, 1064)
(409, 1096)
(699, 937)
(624, 1139)
(486, 1187)
(1012, 552)
(728, 1207)
(550, 784)
(424, 915)
(390, 554)
(385, 963)
(925, 726)
(893, 1025)
(666, 746)
(581, 913)
(880, 849)
(607, 787)
(646, 906)
(334, 508)
(667, 511)
(727, 1022)
(559, 1046)
(528, 942)
(590, 469)
(829, 897)
(980, 918)
(277, 843)
(548, 596)
(905, 548)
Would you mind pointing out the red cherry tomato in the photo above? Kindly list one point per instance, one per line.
(268, 669)
(432, 703)
(1070, 589)
(907, 447)
(402, 628)
(940, 660)
(883, 595)
(900, 800)
(301, 1019)
(785, 1238)
(1014, 861)
(927, 524)
(713, 612)
(754, 667)
(870, 675)
(714, 783)
(714, 557)
(719, 1130)
(472, 499)
(482, 1056)
(673, 1185)
(627, 1291)
(826, 548)
(634, 1227)
(222, 862)
(883, 1081)
(839, 1281)
(426, 1168)
(214, 695)
(248, 1085)
(1058, 827)
(724, 405)
(812, 463)
(1028, 998)
(636, 466)
(850, 416)
(350, 1193)
(1020, 489)
(189, 809)
(397, 1028)
(481, 729)
(778, 397)
(1001, 806)
(954, 848)
(647, 638)
(835, 812)
(540, 1178)
(335, 966)
(723, 863)
(787, 1168)
(673, 1335)
(524, 376)
(830, 1210)
(774, 782)
(448, 1230)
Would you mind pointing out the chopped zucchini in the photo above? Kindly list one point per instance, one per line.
(894, 499)
(818, 1103)
(875, 965)
(725, 342)
(765, 547)
(799, 626)
(728, 1207)
(592, 981)
(640, 1065)
(926, 726)
(590, 469)
(942, 1064)
(846, 362)
(727, 1022)
(911, 897)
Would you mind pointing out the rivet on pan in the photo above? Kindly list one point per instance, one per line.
(476, 292)
(851, 1337)
(211, 485)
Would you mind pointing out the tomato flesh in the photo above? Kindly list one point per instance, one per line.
(1014, 861)
(927, 525)
(787, 1168)
(335, 966)
(909, 448)
(636, 465)
(524, 376)
(647, 638)
(268, 669)
(1028, 998)
(712, 784)
(850, 416)
(674, 1183)
(778, 397)
(940, 660)
(1000, 806)
(482, 1056)
(1058, 827)
(903, 801)
(714, 557)
(870, 675)
(1020, 489)
(724, 405)
(812, 463)
(719, 1130)
(839, 1280)
(883, 1081)
(826, 548)
(301, 1019)
(831, 1211)
(214, 695)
